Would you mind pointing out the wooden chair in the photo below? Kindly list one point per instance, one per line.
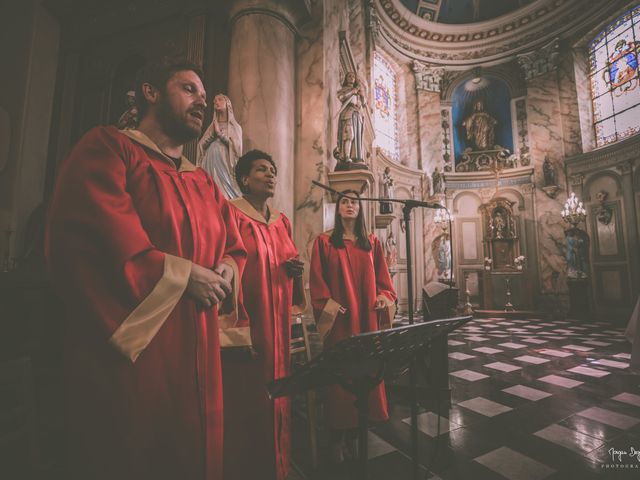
(301, 353)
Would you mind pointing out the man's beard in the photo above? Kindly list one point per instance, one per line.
(174, 126)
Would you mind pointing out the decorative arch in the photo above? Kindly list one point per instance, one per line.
(517, 194)
(458, 197)
(495, 94)
(596, 176)
(509, 74)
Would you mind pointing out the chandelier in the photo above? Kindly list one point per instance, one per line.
(573, 212)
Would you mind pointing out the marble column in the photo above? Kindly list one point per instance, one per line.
(262, 85)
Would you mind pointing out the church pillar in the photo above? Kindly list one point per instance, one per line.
(262, 85)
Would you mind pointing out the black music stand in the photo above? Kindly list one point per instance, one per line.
(360, 362)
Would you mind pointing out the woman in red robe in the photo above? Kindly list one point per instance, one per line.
(351, 293)
(257, 437)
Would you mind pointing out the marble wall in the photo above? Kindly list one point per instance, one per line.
(569, 112)
(408, 122)
(547, 138)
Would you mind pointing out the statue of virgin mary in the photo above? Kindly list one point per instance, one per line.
(221, 146)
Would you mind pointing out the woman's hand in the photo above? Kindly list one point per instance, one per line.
(381, 302)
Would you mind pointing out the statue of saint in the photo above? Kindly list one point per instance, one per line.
(387, 191)
(498, 225)
(443, 257)
(129, 119)
(577, 253)
(221, 146)
(549, 173)
(438, 182)
(480, 127)
(391, 250)
(351, 120)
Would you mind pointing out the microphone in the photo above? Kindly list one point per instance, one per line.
(410, 202)
(326, 187)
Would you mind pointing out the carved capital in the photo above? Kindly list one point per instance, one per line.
(540, 61)
(624, 168)
(528, 188)
(486, 194)
(576, 180)
(428, 78)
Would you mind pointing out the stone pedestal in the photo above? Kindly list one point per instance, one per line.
(579, 304)
(358, 180)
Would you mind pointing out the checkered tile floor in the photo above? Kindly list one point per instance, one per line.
(532, 399)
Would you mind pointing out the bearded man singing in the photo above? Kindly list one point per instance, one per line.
(142, 252)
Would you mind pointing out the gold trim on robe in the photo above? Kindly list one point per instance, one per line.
(230, 334)
(328, 317)
(138, 329)
(245, 207)
(386, 314)
(142, 139)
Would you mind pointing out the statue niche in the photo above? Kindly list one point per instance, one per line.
(500, 238)
(483, 154)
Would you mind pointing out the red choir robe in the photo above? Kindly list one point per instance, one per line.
(142, 360)
(257, 434)
(352, 278)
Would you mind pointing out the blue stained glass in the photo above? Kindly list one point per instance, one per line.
(384, 112)
(615, 78)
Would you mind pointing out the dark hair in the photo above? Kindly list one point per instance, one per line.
(362, 239)
(158, 73)
(245, 162)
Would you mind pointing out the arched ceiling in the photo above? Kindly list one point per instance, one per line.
(462, 11)
(528, 25)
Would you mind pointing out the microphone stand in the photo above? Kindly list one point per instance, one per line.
(407, 206)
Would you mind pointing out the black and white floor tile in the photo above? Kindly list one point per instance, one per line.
(531, 399)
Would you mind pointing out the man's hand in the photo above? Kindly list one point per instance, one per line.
(294, 267)
(225, 270)
(207, 287)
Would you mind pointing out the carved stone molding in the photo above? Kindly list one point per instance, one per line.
(540, 61)
(488, 42)
(523, 132)
(374, 21)
(447, 152)
(428, 77)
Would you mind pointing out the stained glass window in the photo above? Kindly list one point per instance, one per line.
(615, 80)
(385, 118)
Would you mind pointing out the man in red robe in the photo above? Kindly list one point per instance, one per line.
(142, 250)
(272, 291)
